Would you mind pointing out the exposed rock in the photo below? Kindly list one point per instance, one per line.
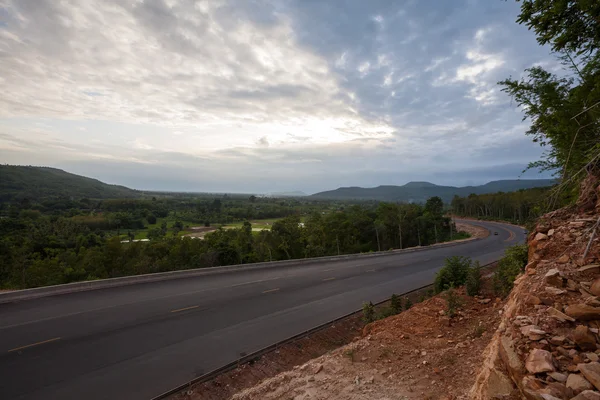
(557, 389)
(592, 357)
(592, 301)
(553, 277)
(584, 338)
(539, 361)
(511, 358)
(595, 288)
(318, 368)
(540, 236)
(583, 312)
(558, 377)
(533, 300)
(531, 386)
(557, 340)
(572, 285)
(593, 268)
(578, 383)
(587, 395)
(563, 259)
(554, 290)
(550, 232)
(499, 386)
(553, 312)
(591, 372)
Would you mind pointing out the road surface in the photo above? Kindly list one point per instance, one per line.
(138, 341)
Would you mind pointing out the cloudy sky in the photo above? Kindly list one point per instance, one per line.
(259, 96)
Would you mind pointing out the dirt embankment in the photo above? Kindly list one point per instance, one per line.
(473, 230)
(547, 346)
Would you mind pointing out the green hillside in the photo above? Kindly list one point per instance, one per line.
(419, 192)
(23, 182)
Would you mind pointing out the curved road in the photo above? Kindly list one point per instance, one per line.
(136, 342)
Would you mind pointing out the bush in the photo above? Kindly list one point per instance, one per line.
(368, 313)
(473, 284)
(396, 304)
(454, 302)
(407, 304)
(453, 274)
(385, 312)
(509, 266)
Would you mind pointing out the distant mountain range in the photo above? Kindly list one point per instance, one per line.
(419, 192)
(21, 182)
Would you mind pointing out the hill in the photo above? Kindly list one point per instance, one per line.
(20, 182)
(419, 192)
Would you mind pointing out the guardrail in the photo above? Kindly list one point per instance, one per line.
(27, 294)
(259, 353)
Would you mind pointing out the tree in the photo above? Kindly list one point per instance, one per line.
(435, 207)
(151, 219)
(564, 111)
(252, 198)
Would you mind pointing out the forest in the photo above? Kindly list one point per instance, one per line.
(62, 241)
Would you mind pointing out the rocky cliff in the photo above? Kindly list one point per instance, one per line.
(547, 344)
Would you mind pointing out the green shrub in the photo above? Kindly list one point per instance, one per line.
(453, 274)
(368, 313)
(473, 284)
(454, 302)
(509, 266)
(385, 312)
(396, 304)
(407, 304)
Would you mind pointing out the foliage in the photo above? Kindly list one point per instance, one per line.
(511, 265)
(407, 303)
(396, 304)
(453, 301)
(563, 109)
(453, 274)
(516, 207)
(473, 283)
(368, 312)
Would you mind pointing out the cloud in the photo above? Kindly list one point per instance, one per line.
(308, 93)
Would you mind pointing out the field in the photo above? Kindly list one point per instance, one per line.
(257, 226)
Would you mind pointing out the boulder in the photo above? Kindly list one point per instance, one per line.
(539, 361)
(553, 277)
(563, 259)
(595, 288)
(557, 340)
(578, 383)
(584, 338)
(554, 313)
(587, 395)
(591, 372)
(592, 268)
(583, 312)
(499, 386)
(550, 232)
(558, 377)
(540, 236)
(511, 359)
(554, 290)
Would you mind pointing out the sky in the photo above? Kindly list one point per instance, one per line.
(256, 96)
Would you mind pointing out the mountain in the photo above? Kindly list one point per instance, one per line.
(419, 192)
(20, 182)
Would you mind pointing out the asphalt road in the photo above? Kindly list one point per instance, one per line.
(138, 341)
